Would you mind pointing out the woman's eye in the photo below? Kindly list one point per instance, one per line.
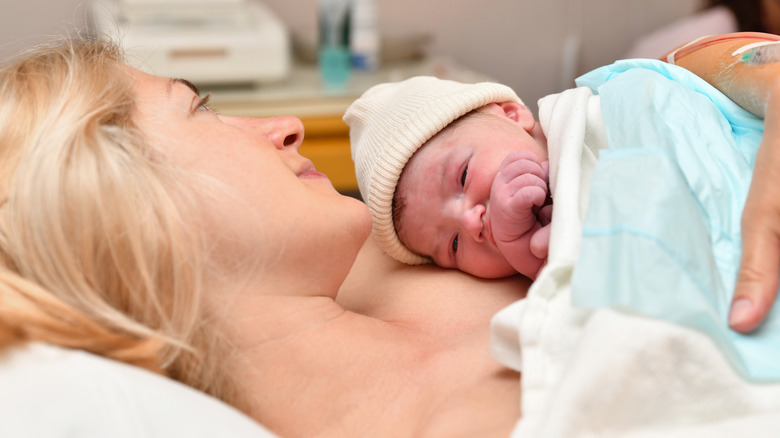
(463, 176)
(203, 105)
(455, 244)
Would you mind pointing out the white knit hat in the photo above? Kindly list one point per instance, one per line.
(389, 122)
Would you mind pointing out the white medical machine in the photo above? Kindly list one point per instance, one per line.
(215, 42)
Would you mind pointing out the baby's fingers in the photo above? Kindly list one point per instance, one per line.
(522, 163)
(545, 214)
(540, 242)
(526, 191)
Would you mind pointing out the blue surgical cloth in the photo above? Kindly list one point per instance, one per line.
(662, 232)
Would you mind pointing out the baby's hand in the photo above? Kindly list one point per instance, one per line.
(517, 196)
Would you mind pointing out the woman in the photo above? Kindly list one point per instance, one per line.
(139, 225)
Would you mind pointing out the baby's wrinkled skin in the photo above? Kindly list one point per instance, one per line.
(475, 196)
(520, 209)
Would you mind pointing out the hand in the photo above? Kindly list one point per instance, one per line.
(757, 282)
(759, 270)
(517, 196)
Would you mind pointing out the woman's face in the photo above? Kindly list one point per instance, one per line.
(276, 208)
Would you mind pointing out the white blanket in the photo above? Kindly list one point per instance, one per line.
(603, 373)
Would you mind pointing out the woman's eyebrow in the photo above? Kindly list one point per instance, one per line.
(184, 82)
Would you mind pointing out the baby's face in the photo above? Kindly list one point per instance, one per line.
(445, 188)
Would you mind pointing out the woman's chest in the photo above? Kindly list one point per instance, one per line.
(394, 384)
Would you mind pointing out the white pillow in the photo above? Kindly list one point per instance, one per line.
(47, 391)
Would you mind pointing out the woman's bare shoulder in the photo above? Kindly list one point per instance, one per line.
(383, 287)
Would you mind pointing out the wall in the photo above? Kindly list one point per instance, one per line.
(536, 47)
(24, 23)
(521, 43)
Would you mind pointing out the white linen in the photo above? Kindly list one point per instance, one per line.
(48, 392)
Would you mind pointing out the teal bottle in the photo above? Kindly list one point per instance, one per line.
(334, 56)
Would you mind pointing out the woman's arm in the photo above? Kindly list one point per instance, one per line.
(719, 61)
(755, 88)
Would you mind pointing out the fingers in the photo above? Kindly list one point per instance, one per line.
(520, 184)
(756, 291)
(759, 270)
(514, 207)
(545, 215)
(515, 211)
(757, 281)
(526, 192)
(518, 195)
(540, 242)
(520, 163)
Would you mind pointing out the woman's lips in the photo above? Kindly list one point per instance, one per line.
(309, 171)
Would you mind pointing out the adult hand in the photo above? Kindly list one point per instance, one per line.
(759, 271)
(756, 89)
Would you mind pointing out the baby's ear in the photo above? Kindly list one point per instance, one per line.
(517, 112)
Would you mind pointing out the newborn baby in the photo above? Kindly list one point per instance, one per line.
(454, 173)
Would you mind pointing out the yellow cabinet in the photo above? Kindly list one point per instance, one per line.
(326, 144)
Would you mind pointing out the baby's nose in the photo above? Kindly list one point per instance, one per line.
(473, 222)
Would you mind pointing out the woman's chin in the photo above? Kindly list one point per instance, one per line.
(366, 214)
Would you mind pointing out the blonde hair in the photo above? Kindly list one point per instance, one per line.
(96, 249)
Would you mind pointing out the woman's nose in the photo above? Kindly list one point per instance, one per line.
(282, 132)
(473, 222)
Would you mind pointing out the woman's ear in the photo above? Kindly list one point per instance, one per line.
(514, 111)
